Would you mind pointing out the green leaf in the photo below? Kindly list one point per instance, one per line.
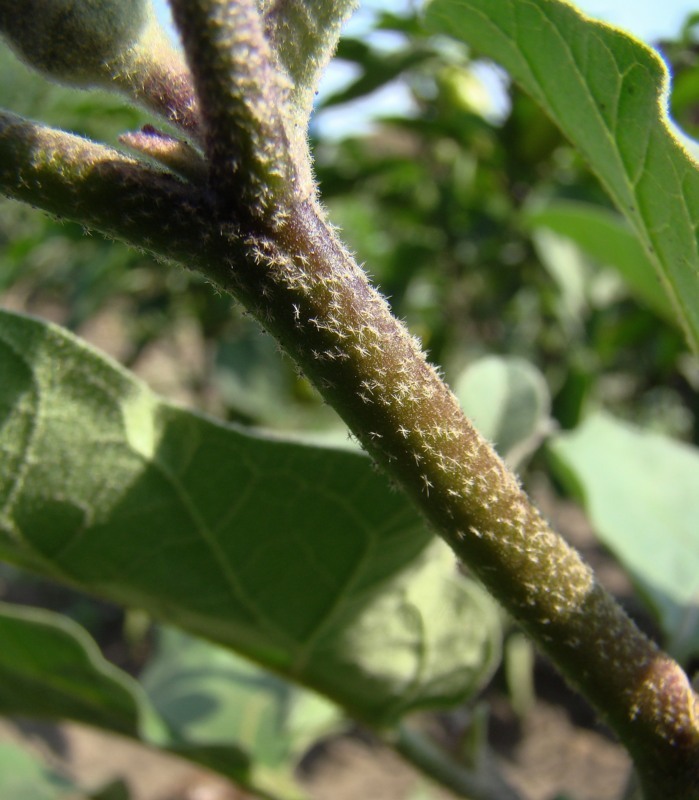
(641, 491)
(606, 237)
(568, 267)
(287, 553)
(508, 401)
(77, 44)
(208, 695)
(607, 92)
(24, 776)
(422, 791)
(51, 668)
(305, 36)
(377, 69)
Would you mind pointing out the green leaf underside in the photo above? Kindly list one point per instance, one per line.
(212, 696)
(607, 93)
(605, 236)
(290, 554)
(641, 491)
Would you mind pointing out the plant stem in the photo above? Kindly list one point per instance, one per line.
(244, 103)
(319, 304)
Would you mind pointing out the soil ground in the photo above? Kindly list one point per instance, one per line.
(547, 757)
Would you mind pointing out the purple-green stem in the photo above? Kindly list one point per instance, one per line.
(262, 237)
(305, 288)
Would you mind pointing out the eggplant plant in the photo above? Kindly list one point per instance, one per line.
(297, 556)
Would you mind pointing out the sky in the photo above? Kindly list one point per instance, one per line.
(647, 19)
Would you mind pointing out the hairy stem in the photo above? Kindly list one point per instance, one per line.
(303, 35)
(304, 287)
(256, 230)
(318, 302)
(244, 100)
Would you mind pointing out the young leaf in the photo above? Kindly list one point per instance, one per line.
(607, 92)
(74, 42)
(641, 491)
(299, 557)
(304, 36)
(113, 44)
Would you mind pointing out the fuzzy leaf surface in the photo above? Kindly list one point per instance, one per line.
(298, 556)
(607, 92)
(641, 491)
(305, 36)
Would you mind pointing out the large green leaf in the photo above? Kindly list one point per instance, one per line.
(607, 92)
(641, 491)
(299, 557)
